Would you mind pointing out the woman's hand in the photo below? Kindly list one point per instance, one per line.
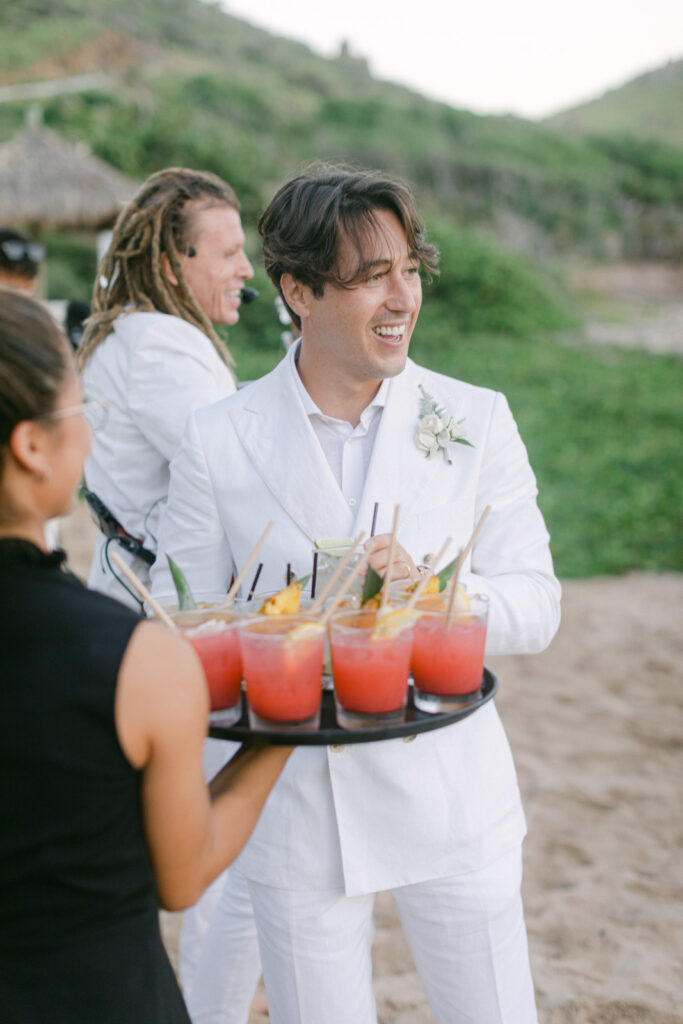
(402, 565)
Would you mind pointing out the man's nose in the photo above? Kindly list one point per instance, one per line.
(404, 293)
(246, 270)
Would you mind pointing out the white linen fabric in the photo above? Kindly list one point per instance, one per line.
(373, 816)
(154, 370)
(466, 934)
(229, 967)
(348, 449)
(240, 960)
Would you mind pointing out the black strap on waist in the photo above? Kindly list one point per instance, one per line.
(108, 524)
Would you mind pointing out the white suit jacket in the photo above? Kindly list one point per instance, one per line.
(154, 370)
(372, 816)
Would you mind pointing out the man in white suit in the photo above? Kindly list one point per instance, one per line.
(313, 445)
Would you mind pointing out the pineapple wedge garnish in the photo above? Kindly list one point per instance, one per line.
(285, 602)
(430, 587)
(392, 622)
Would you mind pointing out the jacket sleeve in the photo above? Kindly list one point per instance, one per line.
(173, 371)
(511, 560)
(191, 529)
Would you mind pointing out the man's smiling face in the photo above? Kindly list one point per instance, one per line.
(362, 332)
(218, 267)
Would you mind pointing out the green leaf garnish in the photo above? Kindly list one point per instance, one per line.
(186, 601)
(371, 586)
(445, 575)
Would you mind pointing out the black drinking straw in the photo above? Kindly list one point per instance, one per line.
(289, 573)
(314, 576)
(374, 519)
(253, 586)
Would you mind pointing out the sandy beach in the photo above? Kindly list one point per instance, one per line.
(596, 727)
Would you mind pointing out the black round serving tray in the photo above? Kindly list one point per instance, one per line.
(329, 732)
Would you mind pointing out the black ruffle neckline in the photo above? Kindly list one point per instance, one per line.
(15, 551)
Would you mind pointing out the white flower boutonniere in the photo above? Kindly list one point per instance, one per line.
(436, 429)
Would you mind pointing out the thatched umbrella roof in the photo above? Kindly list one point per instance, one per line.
(47, 182)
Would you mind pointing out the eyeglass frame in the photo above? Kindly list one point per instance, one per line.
(93, 410)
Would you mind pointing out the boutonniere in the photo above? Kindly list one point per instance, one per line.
(437, 429)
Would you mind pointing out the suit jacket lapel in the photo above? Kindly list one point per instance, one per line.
(398, 472)
(276, 433)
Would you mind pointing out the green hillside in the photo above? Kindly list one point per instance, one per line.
(648, 107)
(507, 201)
(196, 86)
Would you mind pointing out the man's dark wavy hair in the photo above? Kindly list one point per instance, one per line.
(310, 216)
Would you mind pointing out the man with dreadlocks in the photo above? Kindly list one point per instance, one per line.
(175, 266)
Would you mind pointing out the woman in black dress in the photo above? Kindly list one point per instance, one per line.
(104, 810)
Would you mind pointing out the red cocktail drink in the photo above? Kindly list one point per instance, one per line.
(448, 657)
(283, 667)
(214, 635)
(370, 671)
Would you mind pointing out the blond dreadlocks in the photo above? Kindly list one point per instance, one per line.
(130, 276)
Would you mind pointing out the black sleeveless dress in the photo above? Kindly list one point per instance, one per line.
(79, 926)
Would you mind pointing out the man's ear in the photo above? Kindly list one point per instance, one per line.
(296, 295)
(166, 267)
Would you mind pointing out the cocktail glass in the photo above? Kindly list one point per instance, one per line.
(370, 673)
(328, 563)
(350, 601)
(448, 656)
(283, 670)
(213, 632)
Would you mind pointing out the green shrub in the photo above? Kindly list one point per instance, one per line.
(481, 288)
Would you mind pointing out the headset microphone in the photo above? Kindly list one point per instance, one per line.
(248, 295)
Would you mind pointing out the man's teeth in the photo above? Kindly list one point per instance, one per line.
(390, 332)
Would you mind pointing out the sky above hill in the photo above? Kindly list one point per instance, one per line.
(528, 57)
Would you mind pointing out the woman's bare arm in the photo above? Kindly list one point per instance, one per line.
(161, 713)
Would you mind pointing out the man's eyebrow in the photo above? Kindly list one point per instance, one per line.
(366, 266)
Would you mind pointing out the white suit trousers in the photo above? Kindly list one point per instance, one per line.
(466, 934)
(230, 940)
(228, 967)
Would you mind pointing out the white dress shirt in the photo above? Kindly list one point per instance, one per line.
(348, 449)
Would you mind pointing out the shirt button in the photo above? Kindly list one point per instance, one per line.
(352, 502)
(337, 747)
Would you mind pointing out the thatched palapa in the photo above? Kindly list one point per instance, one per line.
(47, 182)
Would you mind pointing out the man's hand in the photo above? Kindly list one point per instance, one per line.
(402, 566)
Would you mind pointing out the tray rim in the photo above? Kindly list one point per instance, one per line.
(415, 722)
